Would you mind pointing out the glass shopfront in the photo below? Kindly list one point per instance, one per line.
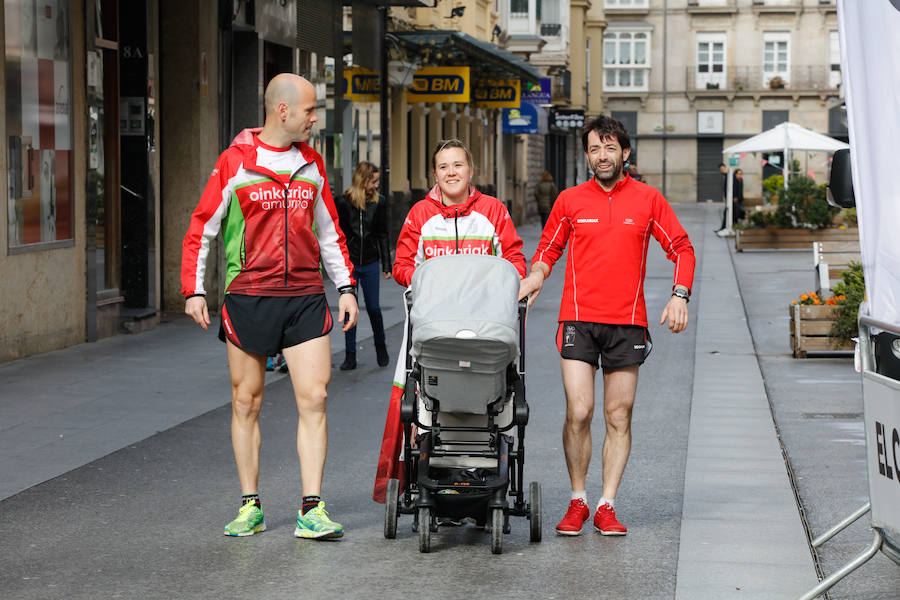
(38, 124)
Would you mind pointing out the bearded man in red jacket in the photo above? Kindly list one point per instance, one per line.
(607, 223)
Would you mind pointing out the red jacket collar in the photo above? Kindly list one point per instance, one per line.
(616, 188)
(248, 140)
(435, 196)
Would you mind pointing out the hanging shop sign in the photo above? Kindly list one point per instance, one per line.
(497, 93)
(361, 85)
(440, 84)
(567, 118)
(537, 93)
(526, 118)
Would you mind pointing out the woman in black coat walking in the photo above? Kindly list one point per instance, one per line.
(362, 214)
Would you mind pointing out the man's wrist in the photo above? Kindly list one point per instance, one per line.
(347, 289)
(539, 270)
(679, 291)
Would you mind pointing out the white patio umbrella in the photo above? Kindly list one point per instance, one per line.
(781, 138)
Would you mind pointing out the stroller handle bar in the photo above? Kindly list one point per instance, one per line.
(523, 313)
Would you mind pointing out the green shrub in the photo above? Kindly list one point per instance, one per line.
(853, 290)
(772, 187)
(804, 205)
(849, 216)
(761, 218)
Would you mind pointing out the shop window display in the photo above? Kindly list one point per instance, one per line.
(38, 121)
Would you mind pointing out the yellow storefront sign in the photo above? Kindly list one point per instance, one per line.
(440, 84)
(497, 93)
(361, 85)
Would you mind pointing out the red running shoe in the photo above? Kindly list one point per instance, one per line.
(577, 514)
(606, 523)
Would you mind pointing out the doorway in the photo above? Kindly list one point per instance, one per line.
(121, 200)
(136, 145)
(709, 180)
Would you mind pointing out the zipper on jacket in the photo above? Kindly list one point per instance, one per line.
(456, 228)
(244, 248)
(286, 196)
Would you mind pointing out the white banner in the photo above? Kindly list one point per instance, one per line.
(870, 69)
(882, 414)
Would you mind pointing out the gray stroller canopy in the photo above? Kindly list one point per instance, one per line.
(465, 304)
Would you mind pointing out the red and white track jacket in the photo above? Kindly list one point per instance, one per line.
(481, 225)
(608, 234)
(276, 225)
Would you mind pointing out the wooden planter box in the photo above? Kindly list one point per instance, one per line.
(775, 239)
(810, 326)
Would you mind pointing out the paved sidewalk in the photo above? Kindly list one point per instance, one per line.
(741, 531)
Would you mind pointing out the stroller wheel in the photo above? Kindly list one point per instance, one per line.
(390, 509)
(424, 529)
(534, 510)
(497, 531)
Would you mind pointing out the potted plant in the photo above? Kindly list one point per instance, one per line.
(803, 204)
(776, 83)
(849, 293)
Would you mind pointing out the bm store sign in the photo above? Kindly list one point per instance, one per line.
(440, 84)
(361, 85)
(497, 93)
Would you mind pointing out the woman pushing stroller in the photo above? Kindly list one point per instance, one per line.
(454, 218)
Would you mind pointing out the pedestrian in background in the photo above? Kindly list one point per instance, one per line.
(737, 202)
(269, 195)
(723, 171)
(363, 217)
(545, 193)
(633, 172)
(606, 223)
(455, 218)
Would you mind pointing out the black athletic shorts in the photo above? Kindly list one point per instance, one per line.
(268, 324)
(616, 346)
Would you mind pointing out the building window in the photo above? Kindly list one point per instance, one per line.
(627, 3)
(38, 122)
(710, 60)
(518, 7)
(626, 60)
(776, 59)
(834, 60)
(549, 12)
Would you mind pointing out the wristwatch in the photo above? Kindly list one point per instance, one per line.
(347, 289)
(681, 293)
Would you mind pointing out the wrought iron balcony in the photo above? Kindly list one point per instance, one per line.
(753, 79)
(550, 29)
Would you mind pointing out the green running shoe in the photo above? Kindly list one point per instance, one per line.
(249, 521)
(316, 524)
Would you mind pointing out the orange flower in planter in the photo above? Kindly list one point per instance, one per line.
(813, 299)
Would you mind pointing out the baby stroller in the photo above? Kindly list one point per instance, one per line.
(463, 411)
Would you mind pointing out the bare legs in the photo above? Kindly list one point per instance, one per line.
(248, 377)
(309, 364)
(619, 386)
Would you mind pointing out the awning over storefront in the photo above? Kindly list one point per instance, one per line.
(442, 47)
